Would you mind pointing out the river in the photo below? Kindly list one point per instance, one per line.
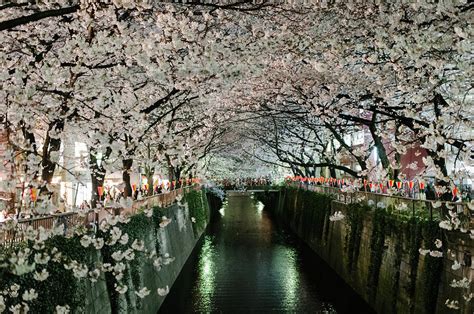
(246, 263)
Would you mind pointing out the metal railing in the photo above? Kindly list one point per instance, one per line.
(10, 236)
(432, 209)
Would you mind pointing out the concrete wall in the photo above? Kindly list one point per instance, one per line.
(177, 239)
(391, 294)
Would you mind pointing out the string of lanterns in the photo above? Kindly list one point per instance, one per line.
(381, 187)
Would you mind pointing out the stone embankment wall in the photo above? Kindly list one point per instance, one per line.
(168, 234)
(376, 251)
(177, 240)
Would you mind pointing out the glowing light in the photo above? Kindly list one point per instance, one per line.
(206, 275)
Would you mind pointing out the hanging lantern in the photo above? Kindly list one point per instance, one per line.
(33, 194)
(422, 185)
(399, 184)
(454, 191)
(381, 187)
(100, 190)
(411, 185)
(342, 181)
(371, 186)
(134, 187)
(390, 183)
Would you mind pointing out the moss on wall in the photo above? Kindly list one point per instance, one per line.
(379, 253)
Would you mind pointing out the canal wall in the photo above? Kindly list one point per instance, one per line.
(173, 243)
(101, 270)
(376, 251)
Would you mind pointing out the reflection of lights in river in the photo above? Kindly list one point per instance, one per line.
(206, 276)
(260, 207)
(291, 279)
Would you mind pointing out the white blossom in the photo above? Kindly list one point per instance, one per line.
(63, 309)
(124, 239)
(337, 216)
(163, 291)
(164, 222)
(94, 275)
(41, 276)
(423, 251)
(138, 245)
(29, 295)
(142, 292)
(456, 265)
(445, 224)
(86, 241)
(121, 288)
(436, 253)
(452, 304)
(463, 283)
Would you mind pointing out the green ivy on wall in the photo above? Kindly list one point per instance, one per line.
(62, 287)
(355, 220)
(380, 229)
(196, 207)
(432, 267)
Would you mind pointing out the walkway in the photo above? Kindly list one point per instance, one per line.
(247, 264)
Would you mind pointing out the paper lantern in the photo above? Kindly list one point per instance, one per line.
(390, 183)
(371, 186)
(134, 187)
(454, 191)
(100, 190)
(399, 184)
(411, 185)
(34, 194)
(422, 185)
(365, 183)
(381, 186)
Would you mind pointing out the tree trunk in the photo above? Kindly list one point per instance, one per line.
(382, 153)
(97, 179)
(126, 166)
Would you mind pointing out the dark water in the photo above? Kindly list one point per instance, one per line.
(245, 263)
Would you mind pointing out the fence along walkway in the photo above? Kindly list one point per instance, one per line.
(432, 208)
(87, 219)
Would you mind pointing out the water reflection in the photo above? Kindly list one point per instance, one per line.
(205, 284)
(246, 264)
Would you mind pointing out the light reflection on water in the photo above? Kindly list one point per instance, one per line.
(205, 284)
(245, 264)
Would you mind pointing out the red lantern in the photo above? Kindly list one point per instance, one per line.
(411, 185)
(454, 191)
(381, 187)
(365, 183)
(399, 184)
(390, 183)
(422, 185)
(134, 187)
(34, 194)
(371, 186)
